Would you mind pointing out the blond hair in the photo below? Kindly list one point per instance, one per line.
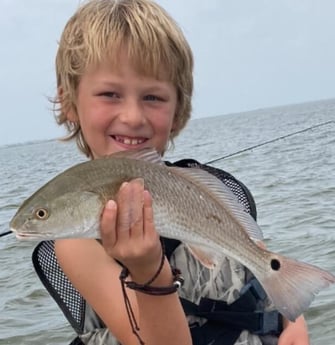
(99, 29)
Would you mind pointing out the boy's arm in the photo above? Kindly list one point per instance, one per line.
(95, 273)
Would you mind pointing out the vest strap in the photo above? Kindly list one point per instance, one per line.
(243, 314)
(76, 341)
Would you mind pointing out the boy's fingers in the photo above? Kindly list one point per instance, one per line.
(148, 214)
(136, 208)
(123, 215)
(130, 209)
(108, 224)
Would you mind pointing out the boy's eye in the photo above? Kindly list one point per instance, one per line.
(109, 94)
(152, 98)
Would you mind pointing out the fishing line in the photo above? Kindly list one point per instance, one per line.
(5, 233)
(269, 142)
(245, 150)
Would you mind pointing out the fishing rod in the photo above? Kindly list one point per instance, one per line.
(269, 142)
(245, 150)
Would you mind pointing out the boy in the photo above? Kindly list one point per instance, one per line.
(124, 77)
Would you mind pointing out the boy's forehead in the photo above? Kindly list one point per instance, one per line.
(116, 63)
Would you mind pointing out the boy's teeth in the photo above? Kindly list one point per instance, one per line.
(128, 141)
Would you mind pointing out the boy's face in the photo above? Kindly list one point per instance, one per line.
(121, 110)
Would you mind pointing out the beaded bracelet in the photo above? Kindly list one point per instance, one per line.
(178, 281)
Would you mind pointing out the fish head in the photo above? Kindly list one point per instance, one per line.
(74, 214)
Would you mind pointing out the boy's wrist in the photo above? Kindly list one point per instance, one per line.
(155, 275)
(152, 270)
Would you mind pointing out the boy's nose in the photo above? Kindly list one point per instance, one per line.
(132, 114)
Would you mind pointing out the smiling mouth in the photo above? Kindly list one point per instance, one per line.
(128, 140)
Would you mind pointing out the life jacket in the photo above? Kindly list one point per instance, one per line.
(212, 322)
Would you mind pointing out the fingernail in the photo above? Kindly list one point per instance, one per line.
(111, 205)
(123, 184)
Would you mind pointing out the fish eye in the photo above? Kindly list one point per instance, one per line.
(41, 213)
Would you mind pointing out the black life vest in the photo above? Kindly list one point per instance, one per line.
(224, 322)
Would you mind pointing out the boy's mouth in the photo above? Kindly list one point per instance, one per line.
(128, 140)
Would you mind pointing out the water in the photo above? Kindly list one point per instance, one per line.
(292, 181)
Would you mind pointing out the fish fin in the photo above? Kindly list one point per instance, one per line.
(293, 285)
(207, 258)
(223, 195)
(147, 154)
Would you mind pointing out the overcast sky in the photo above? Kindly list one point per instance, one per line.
(249, 54)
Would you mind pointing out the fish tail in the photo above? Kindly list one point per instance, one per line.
(292, 285)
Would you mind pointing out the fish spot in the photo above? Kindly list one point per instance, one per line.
(275, 264)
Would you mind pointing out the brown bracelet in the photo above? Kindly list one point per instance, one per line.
(178, 281)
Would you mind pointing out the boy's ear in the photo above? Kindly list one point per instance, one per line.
(71, 115)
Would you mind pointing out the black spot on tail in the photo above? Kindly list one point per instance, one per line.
(275, 264)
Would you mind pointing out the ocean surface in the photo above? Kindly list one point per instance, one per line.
(292, 180)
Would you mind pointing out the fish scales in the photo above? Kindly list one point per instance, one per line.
(185, 206)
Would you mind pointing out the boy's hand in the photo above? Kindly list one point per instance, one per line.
(294, 333)
(128, 233)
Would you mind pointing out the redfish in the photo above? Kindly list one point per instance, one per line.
(189, 204)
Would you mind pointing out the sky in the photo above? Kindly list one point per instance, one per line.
(248, 55)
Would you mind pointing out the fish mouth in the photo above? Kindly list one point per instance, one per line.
(22, 236)
(27, 236)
